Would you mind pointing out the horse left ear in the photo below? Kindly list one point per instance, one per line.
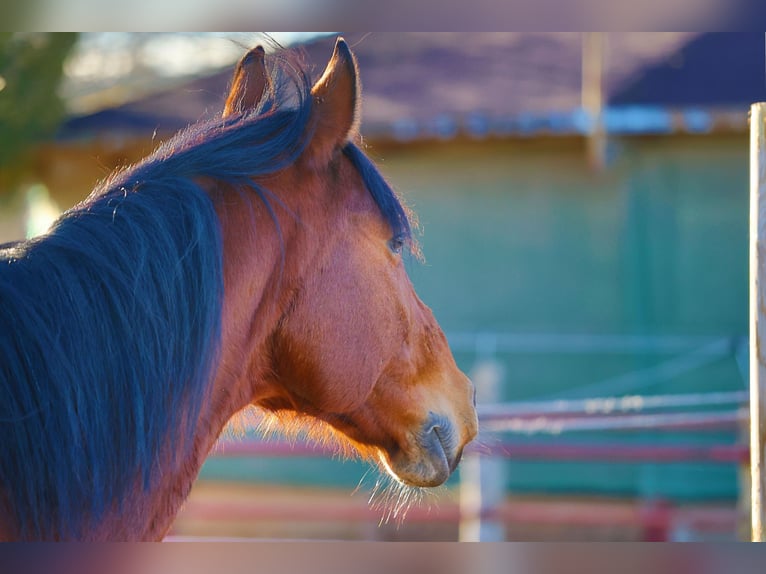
(336, 102)
(249, 83)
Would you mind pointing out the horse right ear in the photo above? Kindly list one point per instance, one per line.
(249, 83)
(335, 115)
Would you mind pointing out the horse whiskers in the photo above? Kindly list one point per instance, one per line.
(294, 427)
(394, 499)
(388, 495)
(483, 445)
(239, 425)
(361, 480)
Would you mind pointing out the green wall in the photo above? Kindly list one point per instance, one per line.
(532, 240)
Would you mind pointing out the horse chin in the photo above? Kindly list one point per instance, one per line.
(420, 473)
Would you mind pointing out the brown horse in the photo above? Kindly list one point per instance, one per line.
(315, 319)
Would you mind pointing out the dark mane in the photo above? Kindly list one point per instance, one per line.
(110, 323)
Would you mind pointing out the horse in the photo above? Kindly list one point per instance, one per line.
(255, 259)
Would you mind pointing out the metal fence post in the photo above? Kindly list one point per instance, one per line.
(482, 479)
(757, 314)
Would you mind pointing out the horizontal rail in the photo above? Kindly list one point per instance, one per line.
(615, 452)
(607, 405)
(493, 342)
(586, 513)
(557, 424)
(720, 453)
(590, 514)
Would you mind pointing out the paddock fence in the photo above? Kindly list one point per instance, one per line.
(480, 507)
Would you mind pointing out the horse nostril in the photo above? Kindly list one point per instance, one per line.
(440, 436)
(452, 458)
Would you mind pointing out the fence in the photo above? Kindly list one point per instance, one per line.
(482, 508)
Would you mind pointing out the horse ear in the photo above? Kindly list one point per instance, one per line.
(248, 84)
(336, 101)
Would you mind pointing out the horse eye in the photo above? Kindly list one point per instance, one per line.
(396, 244)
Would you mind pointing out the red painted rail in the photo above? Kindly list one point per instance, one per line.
(655, 516)
(614, 452)
(506, 432)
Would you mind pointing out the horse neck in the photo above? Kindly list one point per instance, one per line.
(256, 276)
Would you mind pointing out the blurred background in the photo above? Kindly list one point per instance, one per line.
(583, 199)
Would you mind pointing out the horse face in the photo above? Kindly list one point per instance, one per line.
(360, 351)
(354, 346)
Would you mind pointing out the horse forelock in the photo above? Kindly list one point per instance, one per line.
(400, 218)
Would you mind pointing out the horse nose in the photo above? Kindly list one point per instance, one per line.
(440, 439)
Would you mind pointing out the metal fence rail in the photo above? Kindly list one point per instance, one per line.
(505, 431)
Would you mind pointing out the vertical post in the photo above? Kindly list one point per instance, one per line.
(757, 314)
(592, 95)
(744, 504)
(482, 479)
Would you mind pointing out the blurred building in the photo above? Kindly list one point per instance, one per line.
(584, 207)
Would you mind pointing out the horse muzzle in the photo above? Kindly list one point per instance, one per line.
(436, 453)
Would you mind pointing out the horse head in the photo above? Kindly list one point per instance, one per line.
(348, 342)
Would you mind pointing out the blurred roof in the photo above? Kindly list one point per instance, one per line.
(418, 85)
(716, 69)
(165, 111)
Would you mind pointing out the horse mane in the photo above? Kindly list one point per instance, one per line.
(110, 323)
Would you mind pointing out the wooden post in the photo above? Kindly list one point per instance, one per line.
(757, 314)
(594, 49)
